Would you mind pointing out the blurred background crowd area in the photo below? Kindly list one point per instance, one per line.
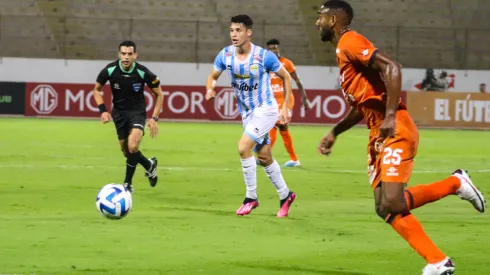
(451, 34)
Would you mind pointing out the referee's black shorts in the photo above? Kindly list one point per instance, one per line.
(126, 120)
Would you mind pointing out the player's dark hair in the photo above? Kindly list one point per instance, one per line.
(127, 43)
(273, 41)
(242, 19)
(340, 5)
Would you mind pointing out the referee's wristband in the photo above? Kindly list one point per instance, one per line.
(102, 108)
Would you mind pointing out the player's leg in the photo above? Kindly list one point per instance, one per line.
(273, 171)
(249, 168)
(137, 122)
(389, 195)
(258, 128)
(122, 128)
(124, 147)
(288, 144)
(273, 135)
(132, 156)
(459, 183)
(394, 165)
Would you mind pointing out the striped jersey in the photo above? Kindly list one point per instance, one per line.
(250, 78)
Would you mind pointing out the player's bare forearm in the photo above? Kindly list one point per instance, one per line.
(349, 121)
(391, 72)
(287, 83)
(299, 83)
(98, 97)
(212, 79)
(158, 102)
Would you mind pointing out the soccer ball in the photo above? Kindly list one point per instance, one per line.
(114, 201)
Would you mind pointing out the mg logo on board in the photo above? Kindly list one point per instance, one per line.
(225, 104)
(44, 99)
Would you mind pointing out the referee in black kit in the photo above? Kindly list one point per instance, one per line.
(127, 79)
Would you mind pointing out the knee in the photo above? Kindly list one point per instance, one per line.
(392, 205)
(244, 150)
(264, 160)
(132, 148)
(382, 211)
(282, 127)
(125, 152)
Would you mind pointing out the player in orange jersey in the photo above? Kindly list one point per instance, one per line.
(371, 83)
(278, 89)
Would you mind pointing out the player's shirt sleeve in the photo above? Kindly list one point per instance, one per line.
(103, 77)
(360, 50)
(271, 62)
(219, 64)
(289, 66)
(151, 80)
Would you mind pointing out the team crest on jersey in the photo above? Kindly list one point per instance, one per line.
(136, 87)
(254, 68)
(258, 57)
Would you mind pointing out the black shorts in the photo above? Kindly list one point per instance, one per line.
(126, 120)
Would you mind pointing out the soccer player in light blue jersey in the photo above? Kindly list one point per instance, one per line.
(248, 66)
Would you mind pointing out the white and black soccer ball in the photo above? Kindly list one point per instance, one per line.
(114, 201)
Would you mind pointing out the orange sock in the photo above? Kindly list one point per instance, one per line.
(411, 230)
(273, 136)
(419, 195)
(288, 143)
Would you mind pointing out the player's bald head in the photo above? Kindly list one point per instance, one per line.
(340, 9)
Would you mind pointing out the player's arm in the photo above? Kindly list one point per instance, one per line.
(299, 83)
(218, 67)
(99, 97)
(349, 121)
(153, 82)
(272, 64)
(391, 72)
(211, 83)
(287, 82)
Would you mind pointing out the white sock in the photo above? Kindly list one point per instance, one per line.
(249, 167)
(273, 171)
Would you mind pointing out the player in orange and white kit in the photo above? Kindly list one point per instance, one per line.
(278, 89)
(371, 83)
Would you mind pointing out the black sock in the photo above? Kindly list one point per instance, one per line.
(144, 161)
(131, 162)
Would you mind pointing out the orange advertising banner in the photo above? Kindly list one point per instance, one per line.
(450, 109)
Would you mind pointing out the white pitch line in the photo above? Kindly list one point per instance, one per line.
(212, 169)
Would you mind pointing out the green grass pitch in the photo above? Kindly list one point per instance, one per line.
(51, 171)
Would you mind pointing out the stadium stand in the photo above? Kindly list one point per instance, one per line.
(418, 33)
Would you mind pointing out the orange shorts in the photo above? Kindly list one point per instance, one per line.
(392, 159)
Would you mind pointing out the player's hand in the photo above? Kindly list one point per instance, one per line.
(210, 94)
(326, 144)
(152, 124)
(305, 103)
(105, 117)
(284, 115)
(387, 129)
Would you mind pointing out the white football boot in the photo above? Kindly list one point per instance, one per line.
(469, 192)
(292, 163)
(445, 267)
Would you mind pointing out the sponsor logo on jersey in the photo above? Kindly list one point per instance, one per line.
(241, 76)
(245, 87)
